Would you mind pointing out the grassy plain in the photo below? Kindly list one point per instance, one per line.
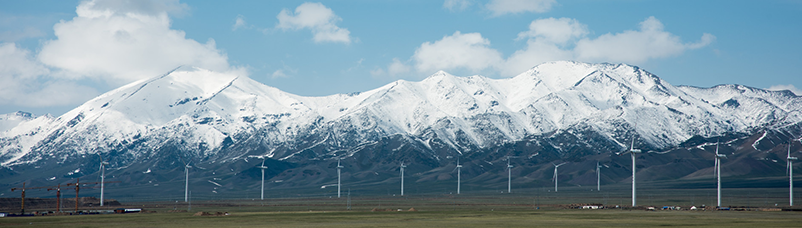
(532, 207)
(456, 218)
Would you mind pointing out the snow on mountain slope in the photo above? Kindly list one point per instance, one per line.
(756, 107)
(19, 131)
(201, 114)
(11, 120)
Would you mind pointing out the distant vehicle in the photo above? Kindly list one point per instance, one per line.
(127, 210)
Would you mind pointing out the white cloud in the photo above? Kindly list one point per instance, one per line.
(459, 51)
(553, 30)
(282, 73)
(20, 83)
(789, 87)
(395, 68)
(501, 7)
(17, 62)
(536, 52)
(15, 28)
(318, 18)
(566, 39)
(108, 8)
(456, 5)
(123, 41)
(546, 40)
(278, 74)
(377, 72)
(16, 35)
(552, 39)
(239, 23)
(707, 38)
(650, 42)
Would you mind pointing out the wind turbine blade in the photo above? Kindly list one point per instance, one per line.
(633, 144)
(715, 168)
(717, 148)
(787, 167)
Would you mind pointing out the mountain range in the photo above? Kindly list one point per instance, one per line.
(225, 124)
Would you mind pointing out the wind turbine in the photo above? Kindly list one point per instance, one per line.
(186, 187)
(632, 151)
(102, 177)
(555, 174)
(459, 170)
(598, 177)
(790, 171)
(263, 168)
(402, 178)
(339, 167)
(717, 170)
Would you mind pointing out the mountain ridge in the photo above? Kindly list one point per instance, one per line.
(556, 110)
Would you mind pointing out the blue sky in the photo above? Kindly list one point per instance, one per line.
(55, 55)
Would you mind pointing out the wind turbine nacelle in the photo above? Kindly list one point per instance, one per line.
(509, 166)
(459, 166)
(340, 167)
(635, 150)
(104, 163)
(262, 167)
(792, 158)
(721, 155)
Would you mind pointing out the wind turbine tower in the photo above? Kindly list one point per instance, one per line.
(102, 178)
(509, 175)
(555, 174)
(402, 178)
(263, 168)
(790, 171)
(632, 151)
(459, 169)
(186, 187)
(718, 173)
(598, 177)
(339, 168)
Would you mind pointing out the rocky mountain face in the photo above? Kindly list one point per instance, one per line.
(225, 125)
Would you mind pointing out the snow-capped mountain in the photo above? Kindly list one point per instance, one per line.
(192, 114)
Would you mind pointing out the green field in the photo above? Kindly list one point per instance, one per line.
(458, 218)
(487, 208)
